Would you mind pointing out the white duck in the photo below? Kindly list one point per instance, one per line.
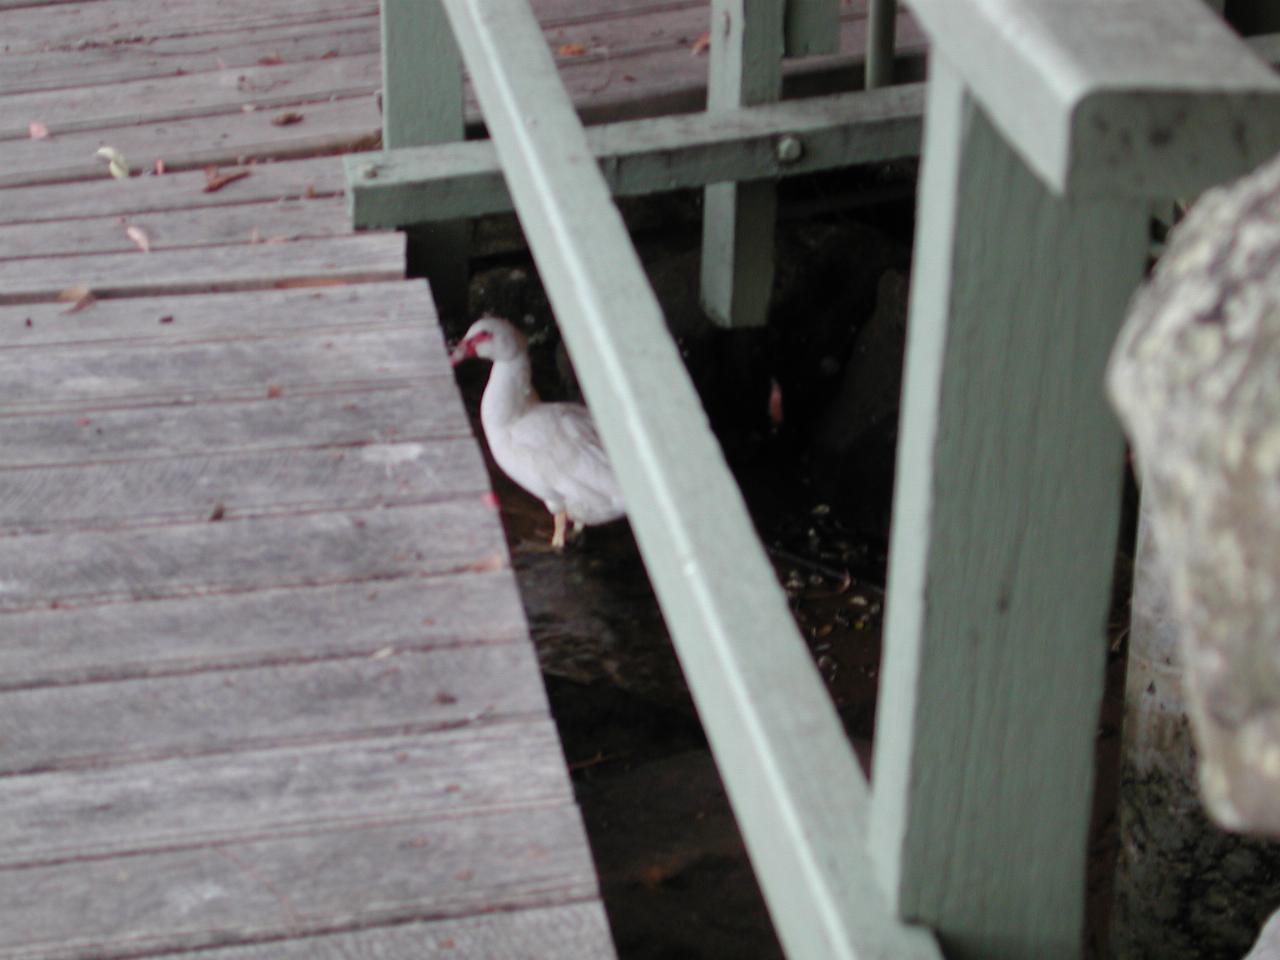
(550, 449)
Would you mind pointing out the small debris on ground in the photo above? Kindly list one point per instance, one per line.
(215, 180)
(79, 296)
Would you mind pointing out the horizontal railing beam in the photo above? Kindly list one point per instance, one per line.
(421, 185)
(1139, 98)
(793, 779)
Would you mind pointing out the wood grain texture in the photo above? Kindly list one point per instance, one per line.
(191, 487)
(190, 96)
(1005, 520)
(184, 144)
(295, 886)
(90, 377)
(241, 224)
(203, 800)
(576, 931)
(272, 625)
(99, 724)
(120, 21)
(406, 412)
(267, 182)
(334, 260)
(320, 311)
(71, 67)
(236, 555)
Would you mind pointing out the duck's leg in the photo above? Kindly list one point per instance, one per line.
(557, 538)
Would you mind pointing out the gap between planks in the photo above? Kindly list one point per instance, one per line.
(194, 801)
(366, 258)
(177, 635)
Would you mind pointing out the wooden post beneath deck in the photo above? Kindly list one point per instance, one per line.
(747, 38)
(1004, 528)
(421, 105)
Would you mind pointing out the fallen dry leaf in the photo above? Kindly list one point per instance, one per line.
(701, 45)
(271, 60)
(286, 119)
(138, 236)
(38, 130)
(215, 180)
(570, 50)
(328, 54)
(167, 318)
(79, 296)
(275, 393)
(117, 166)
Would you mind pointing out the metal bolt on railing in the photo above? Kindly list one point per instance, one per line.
(790, 149)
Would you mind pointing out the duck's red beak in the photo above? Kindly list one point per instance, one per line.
(466, 348)
(463, 351)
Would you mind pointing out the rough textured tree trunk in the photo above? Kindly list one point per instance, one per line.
(1185, 888)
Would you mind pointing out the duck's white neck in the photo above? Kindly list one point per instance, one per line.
(509, 393)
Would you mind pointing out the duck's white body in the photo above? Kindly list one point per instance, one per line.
(550, 449)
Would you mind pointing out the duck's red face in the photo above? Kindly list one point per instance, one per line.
(468, 348)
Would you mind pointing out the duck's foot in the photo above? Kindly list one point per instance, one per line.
(558, 537)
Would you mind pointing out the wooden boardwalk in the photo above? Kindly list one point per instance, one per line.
(266, 688)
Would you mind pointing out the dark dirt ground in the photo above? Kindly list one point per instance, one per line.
(675, 877)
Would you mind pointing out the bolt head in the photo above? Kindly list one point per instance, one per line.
(790, 149)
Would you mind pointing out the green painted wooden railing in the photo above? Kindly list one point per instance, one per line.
(1051, 125)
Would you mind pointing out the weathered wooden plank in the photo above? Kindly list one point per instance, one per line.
(277, 181)
(209, 226)
(425, 410)
(95, 724)
(577, 931)
(190, 487)
(89, 377)
(286, 625)
(738, 218)
(328, 881)
(190, 96)
(646, 156)
(125, 21)
(329, 127)
(236, 555)
(207, 318)
(1142, 99)
(795, 784)
(199, 801)
(352, 259)
(1004, 526)
(170, 56)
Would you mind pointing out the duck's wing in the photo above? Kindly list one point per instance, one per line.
(561, 441)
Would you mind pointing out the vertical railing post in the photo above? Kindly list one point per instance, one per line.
(421, 105)
(1004, 527)
(882, 19)
(747, 39)
(812, 27)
